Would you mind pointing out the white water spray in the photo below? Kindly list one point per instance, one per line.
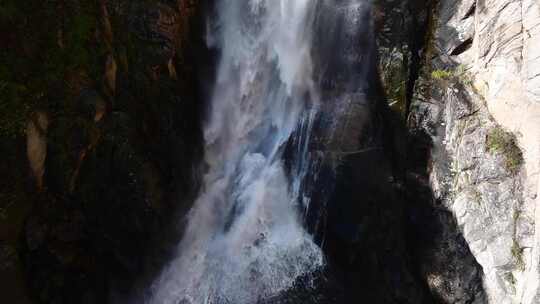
(244, 241)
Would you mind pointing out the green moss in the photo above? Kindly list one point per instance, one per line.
(510, 278)
(497, 140)
(501, 141)
(460, 73)
(517, 253)
(442, 74)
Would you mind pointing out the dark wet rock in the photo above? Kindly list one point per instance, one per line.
(361, 219)
(91, 105)
(440, 258)
(8, 256)
(36, 232)
(122, 160)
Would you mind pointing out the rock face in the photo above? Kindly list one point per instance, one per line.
(115, 146)
(359, 226)
(476, 102)
(442, 261)
(435, 197)
(36, 145)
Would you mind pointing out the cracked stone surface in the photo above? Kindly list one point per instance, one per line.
(492, 49)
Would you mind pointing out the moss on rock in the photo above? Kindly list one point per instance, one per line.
(503, 142)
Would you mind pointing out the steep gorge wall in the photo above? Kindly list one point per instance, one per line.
(113, 139)
(116, 143)
(476, 104)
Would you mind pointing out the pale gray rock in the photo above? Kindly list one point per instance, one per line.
(491, 48)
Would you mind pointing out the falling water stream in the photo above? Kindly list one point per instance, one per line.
(244, 240)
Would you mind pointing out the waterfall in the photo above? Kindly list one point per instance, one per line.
(244, 240)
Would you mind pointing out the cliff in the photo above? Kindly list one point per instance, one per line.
(429, 154)
(104, 96)
(474, 119)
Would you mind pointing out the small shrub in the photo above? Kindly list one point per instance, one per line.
(500, 141)
(442, 74)
(458, 74)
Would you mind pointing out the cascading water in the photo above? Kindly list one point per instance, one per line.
(244, 241)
